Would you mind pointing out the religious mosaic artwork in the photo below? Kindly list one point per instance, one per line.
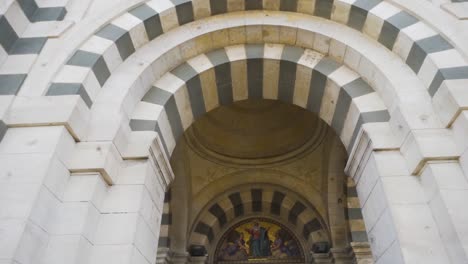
(259, 240)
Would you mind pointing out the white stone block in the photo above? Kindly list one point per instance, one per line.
(450, 99)
(17, 199)
(115, 254)
(72, 74)
(86, 187)
(51, 29)
(37, 140)
(13, 169)
(459, 10)
(393, 255)
(102, 157)
(133, 172)
(340, 12)
(3, 55)
(321, 43)
(74, 218)
(92, 85)
(33, 245)
(16, 18)
(69, 111)
(460, 130)
(11, 231)
(352, 58)
(383, 234)
(367, 179)
(442, 175)
(374, 205)
(385, 10)
(116, 229)
(73, 249)
(44, 209)
(112, 57)
(343, 75)
(373, 25)
(145, 240)
(381, 135)
(57, 177)
(337, 50)
(418, 234)
(403, 190)
(391, 163)
(123, 199)
(104, 122)
(15, 64)
(451, 236)
(427, 144)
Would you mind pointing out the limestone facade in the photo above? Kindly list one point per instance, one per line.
(94, 96)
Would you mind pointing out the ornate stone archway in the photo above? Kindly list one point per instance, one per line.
(97, 72)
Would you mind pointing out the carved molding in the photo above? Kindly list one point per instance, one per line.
(160, 163)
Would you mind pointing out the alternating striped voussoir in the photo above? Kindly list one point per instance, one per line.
(424, 50)
(290, 74)
(282, 206)
(356, 226)
(18, 48)
(166, 222)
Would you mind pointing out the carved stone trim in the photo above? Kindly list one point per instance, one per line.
(160, 163)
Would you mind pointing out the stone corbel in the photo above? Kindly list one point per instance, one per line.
(160, 163)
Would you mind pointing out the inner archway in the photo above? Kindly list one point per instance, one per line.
(261, 159)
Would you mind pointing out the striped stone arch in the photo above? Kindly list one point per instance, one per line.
(166, 222)
(290, 74)
(19, 45)
(353, 213)
(426, 52)
(283, 206)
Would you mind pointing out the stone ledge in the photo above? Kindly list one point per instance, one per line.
(458, 10)
(100, 157)
(69, 111)
(425, 145)
(451, 100)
